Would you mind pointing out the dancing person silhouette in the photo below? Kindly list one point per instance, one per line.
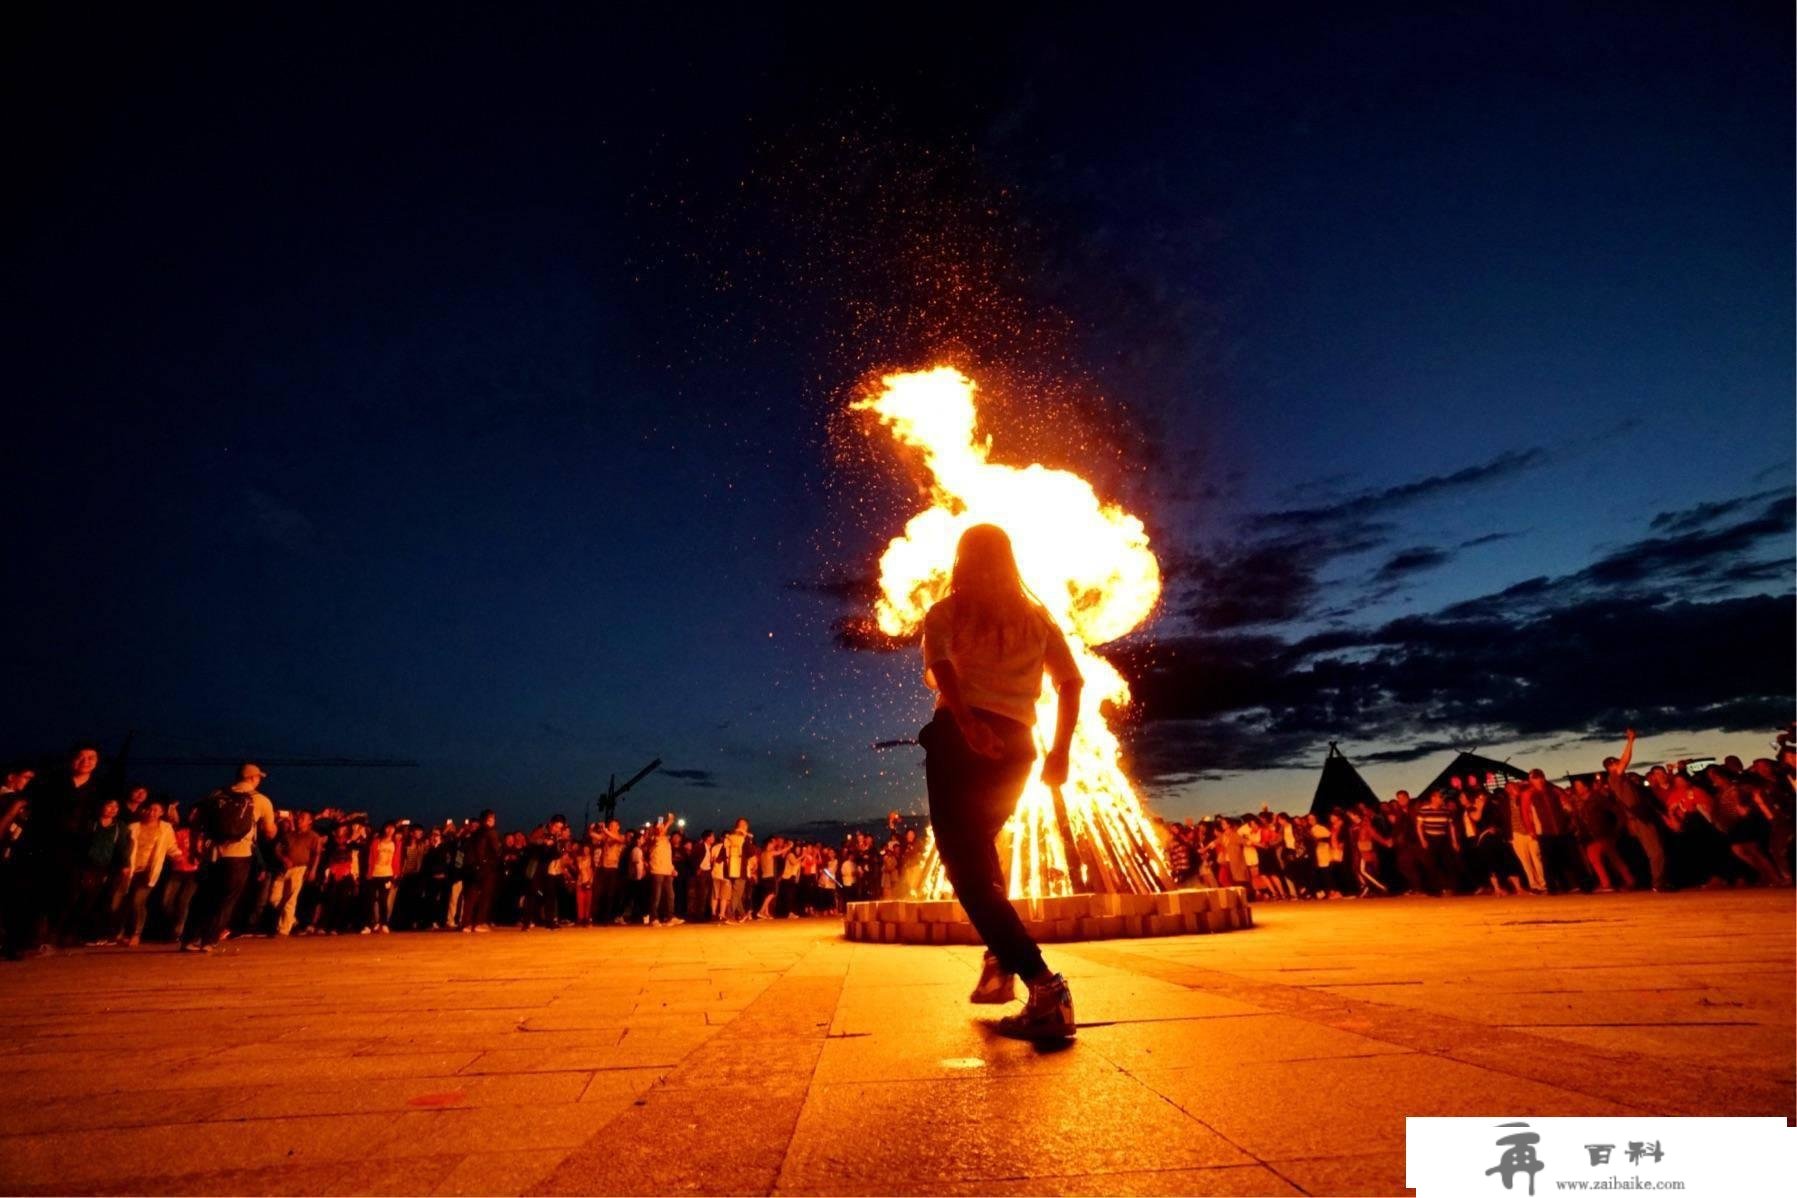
(986, 646)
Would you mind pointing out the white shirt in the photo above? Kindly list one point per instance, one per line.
(1003, 676)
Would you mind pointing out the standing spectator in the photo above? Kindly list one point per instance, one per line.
(791, 868)
(407, 905)
(850, 878)
(342, 874)
(105, 853)
(152, 842)
(1438, 831)
(233, 818)
(661, 873)
(578, 866)
(1525, 833)
(684, 861)
(183, 875)
(541, 863)
(435, 870)
(608, 879)
(636, 859)
(1743, 817)
(720, 882)
(829, 883)
(736, 874)
(1491, 853)
(17, 885)
(296, 851)
(1639, 810)
(62, 811)
(698, 889)
(484, 861)
(1599, 821)
(1367, 841)
(1561, 864)
(768, 863)
(1406, 849)
(382, 867)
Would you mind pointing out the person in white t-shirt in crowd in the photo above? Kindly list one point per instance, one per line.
(717, 859)
(152, 843)
(661, 873)
(378, 879)
(232, 819)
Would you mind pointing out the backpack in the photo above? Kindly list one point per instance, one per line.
(233, 816)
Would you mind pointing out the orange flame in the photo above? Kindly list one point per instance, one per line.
(1089, 563)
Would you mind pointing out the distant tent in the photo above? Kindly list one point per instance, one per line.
(1482, 768)
(1340, 786)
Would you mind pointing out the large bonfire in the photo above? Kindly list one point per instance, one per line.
(1089, 563)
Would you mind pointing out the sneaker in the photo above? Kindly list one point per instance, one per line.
(1048, 1015)
(133, 941)
(676, 921)
(997, 985)
(467, 929)
(383, 929)
(366, 931)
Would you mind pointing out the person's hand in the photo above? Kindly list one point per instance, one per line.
(1631, 734)
(980, 737)
(1054, 768)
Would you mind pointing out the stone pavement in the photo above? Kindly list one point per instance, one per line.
(784, 1059)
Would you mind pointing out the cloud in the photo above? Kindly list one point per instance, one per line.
(1589, 666)
(1705, 563)
(702, 779)
(1660, 633)
(1490, 538)
(1273, 575)
(1370, 503)
(1692, 518)
(1412, 561)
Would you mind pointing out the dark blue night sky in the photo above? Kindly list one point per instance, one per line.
(465, 384)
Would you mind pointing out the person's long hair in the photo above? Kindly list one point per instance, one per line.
(988, 588)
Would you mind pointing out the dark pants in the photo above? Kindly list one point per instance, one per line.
(89, 907)
(606, 884)
(1442, 864)
(478, 894)
(177, 900)
(1647, 834)
(374, 901)
(971, 797)
(221, 886)
(336, 910)
(661, 900)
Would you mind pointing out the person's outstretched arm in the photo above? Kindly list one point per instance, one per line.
(1628, 755)
(1058, 663)
(1054, 766)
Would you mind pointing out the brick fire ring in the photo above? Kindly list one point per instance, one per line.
(1071, 917)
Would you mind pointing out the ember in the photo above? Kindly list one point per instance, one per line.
(1089, 563)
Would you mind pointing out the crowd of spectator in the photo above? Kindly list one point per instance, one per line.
(1676, 825)
(88, 860)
